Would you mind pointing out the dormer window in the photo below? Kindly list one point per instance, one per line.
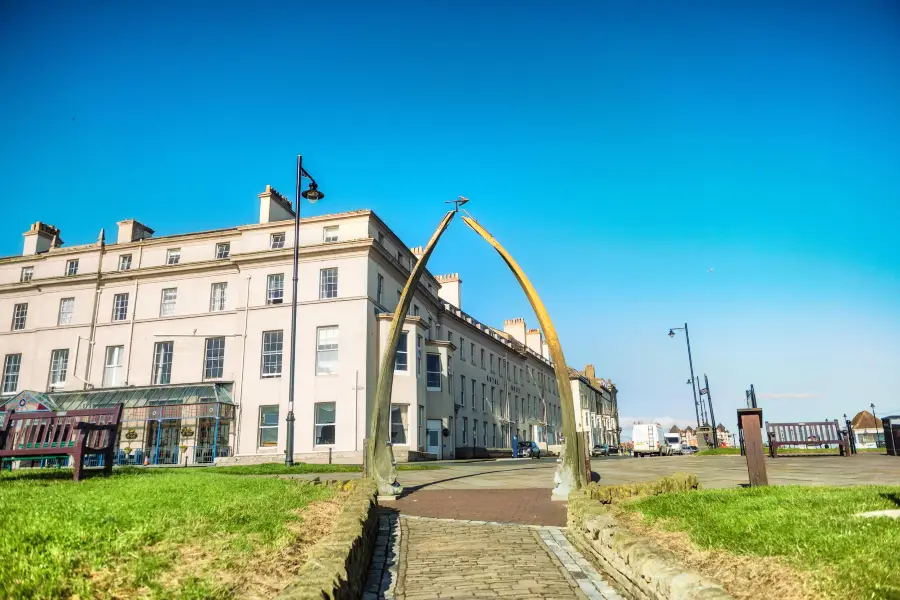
(277, 241)
(330, 234)
(173, 256)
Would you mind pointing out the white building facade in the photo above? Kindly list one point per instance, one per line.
(192, 333)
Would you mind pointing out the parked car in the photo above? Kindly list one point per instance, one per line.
(529, 450)
(599, 450)
(687, 450)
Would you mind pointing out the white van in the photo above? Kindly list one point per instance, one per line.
(673, 441)
(648, 439)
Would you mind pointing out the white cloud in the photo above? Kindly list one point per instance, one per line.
(789, 396)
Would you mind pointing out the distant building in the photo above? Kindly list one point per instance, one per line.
(867, 429)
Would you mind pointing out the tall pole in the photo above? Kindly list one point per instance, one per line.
(289, 451)
(712, 414)
(703, 416)
(687, 337)
(872, 406)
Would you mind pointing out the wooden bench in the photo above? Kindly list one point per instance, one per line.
(40, 435)
(806, 434)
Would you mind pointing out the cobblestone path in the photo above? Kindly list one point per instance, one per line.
(421, 557)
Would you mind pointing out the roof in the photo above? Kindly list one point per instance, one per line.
(721, 428)
(674, 429)
(865, 420)
(131, 397)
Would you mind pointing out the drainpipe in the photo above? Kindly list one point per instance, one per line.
(75, 363)
(94, 310)
(240, 395)
(133, 315)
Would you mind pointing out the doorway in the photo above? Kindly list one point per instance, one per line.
(433, 437)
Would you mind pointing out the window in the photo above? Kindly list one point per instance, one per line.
(217, 297)
(59, 364)
(462, 348)
(167, 303)
(472, 352)
(112, 371)
(11, 367)
(399, 423)
(420, 427)
(415, 310)
(381, 238)
(173, 256)
(401, 362)
(493, 406)
(400, 257)
(433, 371)
(272, 347)
(324, 422)
(462, 390)
(276, 241)
(483, 397)
(20, 314)
(27, 274)
(474, 431)
(465, 429)
(379, 290)
(120, 307)
(275, 288)
(162, 363)
(330, 234)
(418, 356)
(72, 267)
(473, 394)
(483, 366)
(268, 426)
(223, 250)
(327, 350)
(328, 281)
(484, 434)
(214, 365)
(492, 362)
(125, 262)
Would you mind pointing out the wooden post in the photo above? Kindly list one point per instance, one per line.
(750, 425)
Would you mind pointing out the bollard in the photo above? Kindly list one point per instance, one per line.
(750, 425)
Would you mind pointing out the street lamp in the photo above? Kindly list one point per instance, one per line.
(872, 406)
(312, 194)
(687, 337)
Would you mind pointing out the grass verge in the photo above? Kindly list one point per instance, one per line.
(159, 533)
(807, 530)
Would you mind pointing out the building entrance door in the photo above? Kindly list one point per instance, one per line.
(433, 437)
(162, 441)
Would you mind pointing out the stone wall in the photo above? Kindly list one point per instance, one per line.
(640, 567)
(338, 564)
(466, 452)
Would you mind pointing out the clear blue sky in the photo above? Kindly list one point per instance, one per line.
(618, 151)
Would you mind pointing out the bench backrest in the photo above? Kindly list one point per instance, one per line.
(804, 433)
(61, 430)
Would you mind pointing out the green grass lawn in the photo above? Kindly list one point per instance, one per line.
(159, 533)
(812, 528)
(301, 468)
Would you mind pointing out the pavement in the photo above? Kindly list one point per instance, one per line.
(489, 528)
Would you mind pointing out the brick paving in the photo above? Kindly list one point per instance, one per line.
(524, 506)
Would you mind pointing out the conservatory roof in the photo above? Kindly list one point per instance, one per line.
(131, 397)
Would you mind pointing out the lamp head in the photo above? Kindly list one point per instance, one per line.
(312, 194)
(671, 333)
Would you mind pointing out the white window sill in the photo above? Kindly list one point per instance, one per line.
(327, 374)
(271, 376)
(433, 389)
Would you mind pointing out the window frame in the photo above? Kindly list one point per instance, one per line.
(71, 267)
(59, 365)
(330, 239)
(277, 240)
(12, 368)
(167, 306)
(326, 348)
(124, 262)
(215, 363)
(115, 369)
(279, 353)
(26, 274)
(163, 360)
(430, 372)
(260, 426)
(403, 423)
(402, 348)
(226, 246)
(120, 309)
(272, 299)
(379, 289)
(216, 303)
(328, 283)
(317, 426)
(173, 256)
(19, 317)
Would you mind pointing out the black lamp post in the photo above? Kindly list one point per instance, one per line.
(872, 406)
(691, 363)
(312, 194)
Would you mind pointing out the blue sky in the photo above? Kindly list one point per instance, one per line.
(618, 151)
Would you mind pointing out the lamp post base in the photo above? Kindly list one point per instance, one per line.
(565, 479)
(289, 452)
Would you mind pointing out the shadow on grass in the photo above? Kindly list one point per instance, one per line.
(895, 498)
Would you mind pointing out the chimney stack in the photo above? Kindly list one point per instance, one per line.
(274, 207)
(451, 289)
(535, 341)
(40, 238)
(515, 328)
(418, 251)
(132, 231)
